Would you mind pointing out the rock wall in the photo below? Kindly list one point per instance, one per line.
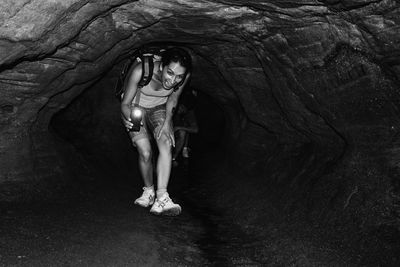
(53, 50)
(321, 77)
(309, 91)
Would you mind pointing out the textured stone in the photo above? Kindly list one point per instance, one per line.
(291, 73)
(75, 41)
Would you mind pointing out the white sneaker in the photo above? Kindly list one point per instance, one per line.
(165, 206)
(147, 198)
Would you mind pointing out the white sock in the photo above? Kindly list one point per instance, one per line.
(149, 188)
(161, 192)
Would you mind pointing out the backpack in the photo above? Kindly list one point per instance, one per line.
(145, 56)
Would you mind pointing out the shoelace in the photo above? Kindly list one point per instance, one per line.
(162, 203)
(147, 194)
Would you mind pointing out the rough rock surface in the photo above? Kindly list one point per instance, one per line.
(290, 76)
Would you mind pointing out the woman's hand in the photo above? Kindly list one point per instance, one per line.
(127, 122)
(167, 129)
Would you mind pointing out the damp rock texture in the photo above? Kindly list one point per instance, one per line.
(309, 90)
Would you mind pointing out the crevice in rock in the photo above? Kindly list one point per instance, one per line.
(300, 111)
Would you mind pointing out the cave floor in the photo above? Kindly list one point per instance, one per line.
(99, 226)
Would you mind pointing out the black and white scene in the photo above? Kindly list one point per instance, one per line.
(199, 133)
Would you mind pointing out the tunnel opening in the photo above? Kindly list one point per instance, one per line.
(306, 150)
(297, 176)
(235, 151)
(91, 123)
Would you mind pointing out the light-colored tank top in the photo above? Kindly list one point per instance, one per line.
(150, 98)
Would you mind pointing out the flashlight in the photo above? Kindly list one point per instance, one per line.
(137, 113)
(136, 118)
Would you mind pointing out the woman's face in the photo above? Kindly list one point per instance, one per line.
(172, 74)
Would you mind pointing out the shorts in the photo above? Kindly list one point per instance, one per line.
(153, 119)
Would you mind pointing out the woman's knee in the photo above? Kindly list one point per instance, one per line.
(164, 144)
(145, 155)
(144, 150)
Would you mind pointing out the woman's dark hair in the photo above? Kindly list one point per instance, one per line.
(178, 55)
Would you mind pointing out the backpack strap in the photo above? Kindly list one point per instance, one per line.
(147, 61)
(147, 74)
(147, 70)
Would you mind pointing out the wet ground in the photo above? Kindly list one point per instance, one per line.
(99, 226)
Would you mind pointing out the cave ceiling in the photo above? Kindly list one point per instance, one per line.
(296, 68)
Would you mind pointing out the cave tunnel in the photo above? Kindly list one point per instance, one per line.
(296, 162)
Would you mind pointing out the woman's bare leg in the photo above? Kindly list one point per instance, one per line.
(145, 161)
(163, 163)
